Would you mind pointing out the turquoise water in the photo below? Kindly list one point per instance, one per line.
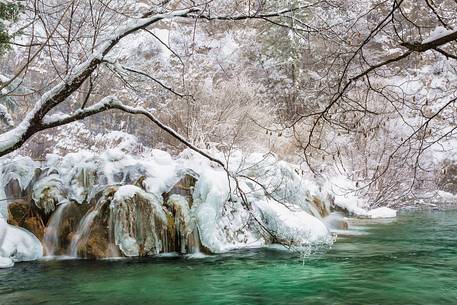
(412, 260)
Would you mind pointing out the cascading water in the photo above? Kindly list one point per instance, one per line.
(51, 233)
(113, 250)
(82, 233)
(186, 229)
(193, 242)
(172, 206)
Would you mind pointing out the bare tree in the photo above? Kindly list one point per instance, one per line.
(347, 84)
(60, 39)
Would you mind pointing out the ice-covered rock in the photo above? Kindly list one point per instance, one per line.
(6, 262)
(139, 220)
(154, 203)
(48, 193)
(17, 244)
(382, 212)
(336, 221)
(345, 196)
(18, 172)
(291, 225)
(184, 235)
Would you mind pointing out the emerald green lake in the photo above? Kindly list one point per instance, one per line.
(410, 260)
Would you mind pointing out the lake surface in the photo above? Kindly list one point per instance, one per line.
(411, 260)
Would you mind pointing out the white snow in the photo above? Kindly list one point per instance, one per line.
(223, 221)
(126, 192)
(17, 244)
(292, 225)
(382, 212)
(438, 33)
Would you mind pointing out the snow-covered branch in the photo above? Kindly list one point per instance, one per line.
(111, 102)
(32, 122)
(433, 42)
(256, 15)
(123, 69)
(35, 120)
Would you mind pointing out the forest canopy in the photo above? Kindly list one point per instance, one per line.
(359, 89)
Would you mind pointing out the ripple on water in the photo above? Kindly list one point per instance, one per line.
(412, 260)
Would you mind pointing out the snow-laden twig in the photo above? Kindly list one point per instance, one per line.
(112, 102)
(32, 122)
(124, 69)
(434, 41)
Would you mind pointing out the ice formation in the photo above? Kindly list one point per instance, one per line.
(17, 244)
(345, 198)
(113, 203)
(382, 212)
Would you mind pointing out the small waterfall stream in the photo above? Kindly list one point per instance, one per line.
(51, 232)
(133, 225)
(113, 249)
(186, 228)
(82, 233)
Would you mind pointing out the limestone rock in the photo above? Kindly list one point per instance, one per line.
(322, 206)
(24, 214)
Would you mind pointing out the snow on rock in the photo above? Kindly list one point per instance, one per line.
(291, 225)
(345, 195)
(281, 199)
(382, 212)
(346, 198)
(19, 169)
(223, 224)
(6, 262)
(17, 244)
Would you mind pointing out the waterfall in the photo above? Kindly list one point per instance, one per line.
(82, 233)
(186, 228)
(112, 248)
(194, 243)
(51, 232)
(135, 224)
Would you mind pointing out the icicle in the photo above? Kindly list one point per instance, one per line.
(188, 238)
(140, 222)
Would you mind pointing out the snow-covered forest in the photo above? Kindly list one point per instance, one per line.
(206, 126)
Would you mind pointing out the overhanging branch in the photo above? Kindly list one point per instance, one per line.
(110, 103)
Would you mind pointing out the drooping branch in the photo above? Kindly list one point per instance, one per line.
(16, 137)
(110, 103)
(432, 44)
(33, 121)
